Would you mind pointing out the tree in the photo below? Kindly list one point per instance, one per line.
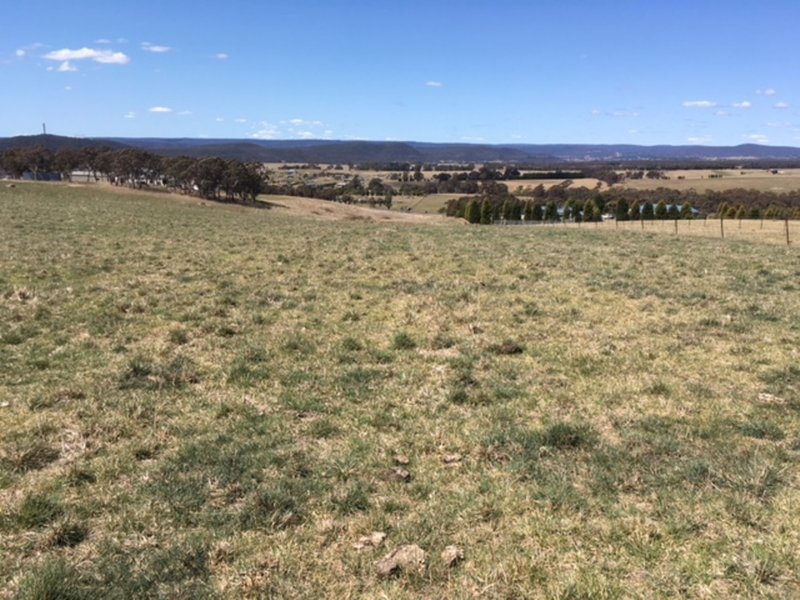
(686, 211)
(589, 209)
(486, 212)
(472, 213)
(673, 212)
(635, 211)
(647, 211)
(621, 210)
(507, 209)
(551, 211)
(66, 161)
(661, 210)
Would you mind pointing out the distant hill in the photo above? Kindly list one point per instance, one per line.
(348, 151)
(55, 143)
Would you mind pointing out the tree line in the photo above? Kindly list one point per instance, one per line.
(227, 180)
(562, 203)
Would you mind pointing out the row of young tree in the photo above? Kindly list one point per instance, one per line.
(493, 207)
(212, 178)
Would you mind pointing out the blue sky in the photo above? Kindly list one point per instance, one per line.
(568, 71)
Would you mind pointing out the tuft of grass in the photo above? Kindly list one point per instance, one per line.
(37, 509)
(143, 373)
(403, 341)
(54, 579)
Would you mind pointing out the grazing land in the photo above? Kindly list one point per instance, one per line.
(201, 400)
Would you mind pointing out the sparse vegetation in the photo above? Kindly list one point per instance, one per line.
(221, 402)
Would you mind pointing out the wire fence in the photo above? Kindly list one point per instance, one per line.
(783, 232)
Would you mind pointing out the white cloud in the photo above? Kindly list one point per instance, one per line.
(148, 47)
(222, 56)
(266, 131)
(20, 53)
(467, 138)
(67, 67)
(303, 122)
(219, 120)
(758, 138)
(240, 120)
(619, 112)
(722, 113)
(67, 88)
(698, 139)
(434, 84)
(130, 115)
(781, 105)
(184, 113)
(327, 133)
(699, 104)
(160, 109)
(743, 104)
(766, 92)
(306, 135)
(779, 124)
(102, 41)
(106, 57)
(633, 131)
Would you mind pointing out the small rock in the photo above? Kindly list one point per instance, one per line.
(399, 474)
(453, 458)
(452, 555)
(373, 540)
(406, 559)
(401, 459)
(4, 404)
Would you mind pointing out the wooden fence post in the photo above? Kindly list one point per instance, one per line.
(722, 227)
(786, 225)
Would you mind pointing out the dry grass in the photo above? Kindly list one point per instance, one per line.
(199, 401)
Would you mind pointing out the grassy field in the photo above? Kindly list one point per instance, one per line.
(209, 401)
(785, 180)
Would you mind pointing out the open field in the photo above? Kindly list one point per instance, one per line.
(726, 179)
(200, 400)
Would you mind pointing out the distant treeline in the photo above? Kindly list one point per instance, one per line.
(228, 180)
(562, 202)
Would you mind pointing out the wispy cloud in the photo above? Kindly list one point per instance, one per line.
(222, 55)
(240, 120)
(700, 104)
(758, 138)
(266, 131)
(67, 67)
(766, 92)
(743, 104)
(698, 139)
(434, 84)
(102, 41)
(106, 57)
(148, 47)
(20, 53)
(160, 109)
(184, 113)
(781, 105)
(303, 122)
(130, 115)
(617, 112)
